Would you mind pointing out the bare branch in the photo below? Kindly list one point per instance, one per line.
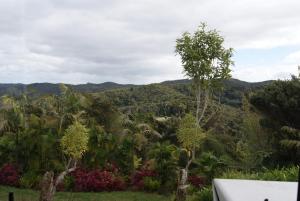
(71, 168)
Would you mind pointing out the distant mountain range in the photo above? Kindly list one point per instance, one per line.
(38, 89)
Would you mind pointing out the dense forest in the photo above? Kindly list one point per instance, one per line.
(132, 134)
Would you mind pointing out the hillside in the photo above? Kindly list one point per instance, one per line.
(39, 89)
(169, 95)
(50, 88)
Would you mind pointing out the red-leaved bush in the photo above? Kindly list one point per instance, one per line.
(137, 179)
(196, 181)
(96, 180)
(9, 175)
(111, 167)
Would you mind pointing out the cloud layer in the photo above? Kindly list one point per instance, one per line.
(132, 41)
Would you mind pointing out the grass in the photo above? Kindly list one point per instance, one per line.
(31, 195)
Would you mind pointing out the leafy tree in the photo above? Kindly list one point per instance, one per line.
(190, 135)
(166, 156)
(280, 103)
(291, 141)
(97, 153)
(254, 145)
(15, 119)
(206, 61)
(74, 143)
(292, 138)
(210, 164)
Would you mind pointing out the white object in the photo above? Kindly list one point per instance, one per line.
(253, 190)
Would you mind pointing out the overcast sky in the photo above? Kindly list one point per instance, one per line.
(132, 41)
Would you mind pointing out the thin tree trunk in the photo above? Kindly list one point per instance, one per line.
(183, 179)
(60, 124)
(182, 185)
(198, 101)
(48, 185)
(206, 98)
(17, 147)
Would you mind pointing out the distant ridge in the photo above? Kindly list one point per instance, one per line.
(38, 89)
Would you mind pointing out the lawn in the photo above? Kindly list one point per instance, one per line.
(30, 195)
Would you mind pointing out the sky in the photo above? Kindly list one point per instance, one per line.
(133, 41)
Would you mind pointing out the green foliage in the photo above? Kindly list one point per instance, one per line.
(165, 156)
(7, 146)
(105, 113)
(210, 165)
(280, 102)
(183, 158)
(75, 140)
(291, 138)
(278, 174)
(96, 154)
(189, 134)
(254, 146)
(203, 56)
(68, 183)
(124, 157)
(151, 184)
(204, 194)
(30, 195)
(143, 126)
(30, 180)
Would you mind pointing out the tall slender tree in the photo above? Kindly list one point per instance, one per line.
(207, 62)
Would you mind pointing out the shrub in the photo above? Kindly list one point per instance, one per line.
(30, 180)
(111, 167)
(203, 195)
(151, 184)
(196, 181)
(137, 180)
(283, 174)
(69, 183)
(168, 187)
(9, 175)
(96, 180)
(118, 184)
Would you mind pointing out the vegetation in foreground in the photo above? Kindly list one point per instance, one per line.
(31, 195)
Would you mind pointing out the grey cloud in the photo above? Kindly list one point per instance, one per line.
(128, 41)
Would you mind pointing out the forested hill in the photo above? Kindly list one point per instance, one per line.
(50, 88)
(232, 93)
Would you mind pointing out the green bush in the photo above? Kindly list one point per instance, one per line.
(168, 187)
(203, 195)
(192, 189)
(151, 184)
(282, 174)
(30, 180)
(68, 183)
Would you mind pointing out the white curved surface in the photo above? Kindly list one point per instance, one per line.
(253, 190)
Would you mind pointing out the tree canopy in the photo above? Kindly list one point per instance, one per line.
(204, 57)
(75, 140)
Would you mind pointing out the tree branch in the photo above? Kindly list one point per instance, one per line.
(206, 98)
(70, 168)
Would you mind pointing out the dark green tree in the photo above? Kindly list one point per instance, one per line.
(280, 103)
